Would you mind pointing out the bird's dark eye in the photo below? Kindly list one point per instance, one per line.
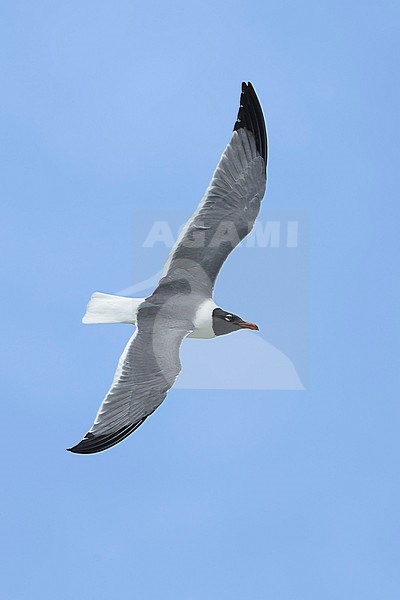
(228, 317)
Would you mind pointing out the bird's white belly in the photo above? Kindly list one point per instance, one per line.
(203, 321)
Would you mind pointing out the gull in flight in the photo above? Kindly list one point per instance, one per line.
(182, 304)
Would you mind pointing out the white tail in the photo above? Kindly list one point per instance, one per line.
(106, 308)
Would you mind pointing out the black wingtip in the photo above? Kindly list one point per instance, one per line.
(91, 444)
(250, 116)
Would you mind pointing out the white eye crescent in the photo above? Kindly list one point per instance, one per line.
(228, 317)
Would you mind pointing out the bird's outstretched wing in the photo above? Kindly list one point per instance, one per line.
(227, 212)
(146, 371)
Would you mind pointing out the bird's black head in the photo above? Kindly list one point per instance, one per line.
(225, 322)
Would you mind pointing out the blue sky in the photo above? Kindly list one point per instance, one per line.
(108, 108)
